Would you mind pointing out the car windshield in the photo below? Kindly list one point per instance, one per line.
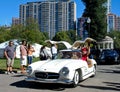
(69, 55)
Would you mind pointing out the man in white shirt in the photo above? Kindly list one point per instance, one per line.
(54, 51)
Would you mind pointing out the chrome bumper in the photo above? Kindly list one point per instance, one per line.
(31, 79)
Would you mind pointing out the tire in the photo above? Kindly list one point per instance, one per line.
(76, 79)
(118, 61)
(94, 71)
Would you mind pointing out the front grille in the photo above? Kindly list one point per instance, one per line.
(47, 75)
(110, 58)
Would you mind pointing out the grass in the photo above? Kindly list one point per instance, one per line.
(15, 66)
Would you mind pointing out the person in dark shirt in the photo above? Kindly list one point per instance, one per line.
(10, 55)
(44, 55)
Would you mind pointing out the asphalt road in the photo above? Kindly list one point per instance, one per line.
(107, 79)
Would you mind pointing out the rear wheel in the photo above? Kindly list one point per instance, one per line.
(94, 71)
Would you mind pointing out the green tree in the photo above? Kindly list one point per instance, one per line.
(16, 31)
(62, 36)
(72, 35)
(96, 11)
(2, 30)
(46, 35)
(31, 24)
(4, 34)
(29, 32)
(116, 37)
(32, 32)
(33, 36)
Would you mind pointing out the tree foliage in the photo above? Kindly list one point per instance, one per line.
(69, 36)
(72, 35)
(96, 11)
(29, 32)
(4, 34)
(62, 36)
(116, 37)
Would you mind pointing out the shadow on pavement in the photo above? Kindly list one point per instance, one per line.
(109, 70)
(2, 72)
(110, 86)
(19, 75)
(43, 86)
(115, 85)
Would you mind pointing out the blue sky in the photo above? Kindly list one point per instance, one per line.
(10, 8)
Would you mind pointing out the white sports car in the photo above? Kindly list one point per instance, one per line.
(67, 68)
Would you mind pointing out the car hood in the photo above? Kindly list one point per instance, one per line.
(55, 65)
(111, 55)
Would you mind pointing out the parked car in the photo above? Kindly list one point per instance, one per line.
(94, 53)
(117, 50)
(109, 56)
(66, 68)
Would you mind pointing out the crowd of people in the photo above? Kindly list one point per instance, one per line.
(26, 55)
(26, 51)
(44, 55)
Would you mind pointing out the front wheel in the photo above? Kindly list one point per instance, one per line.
(76, 79)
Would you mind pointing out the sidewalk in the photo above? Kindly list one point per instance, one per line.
(17, 71)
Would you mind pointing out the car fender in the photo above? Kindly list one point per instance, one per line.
(81, 66)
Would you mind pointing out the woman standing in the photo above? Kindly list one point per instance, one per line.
(30, 51)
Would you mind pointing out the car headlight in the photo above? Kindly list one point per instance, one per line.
(29, 70)
(64, 71)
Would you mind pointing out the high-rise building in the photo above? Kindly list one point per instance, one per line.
(111, 22)
(81, 27)
(52, 15)
(108, 6)
(15, 21)
(114, 22)
(117, 22)
(108, 12)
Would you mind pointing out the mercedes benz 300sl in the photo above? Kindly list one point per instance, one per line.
(66, 68)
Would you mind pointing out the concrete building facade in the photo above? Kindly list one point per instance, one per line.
(52, 15)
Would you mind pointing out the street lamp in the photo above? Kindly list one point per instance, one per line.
(89, 21)
(114, 41)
